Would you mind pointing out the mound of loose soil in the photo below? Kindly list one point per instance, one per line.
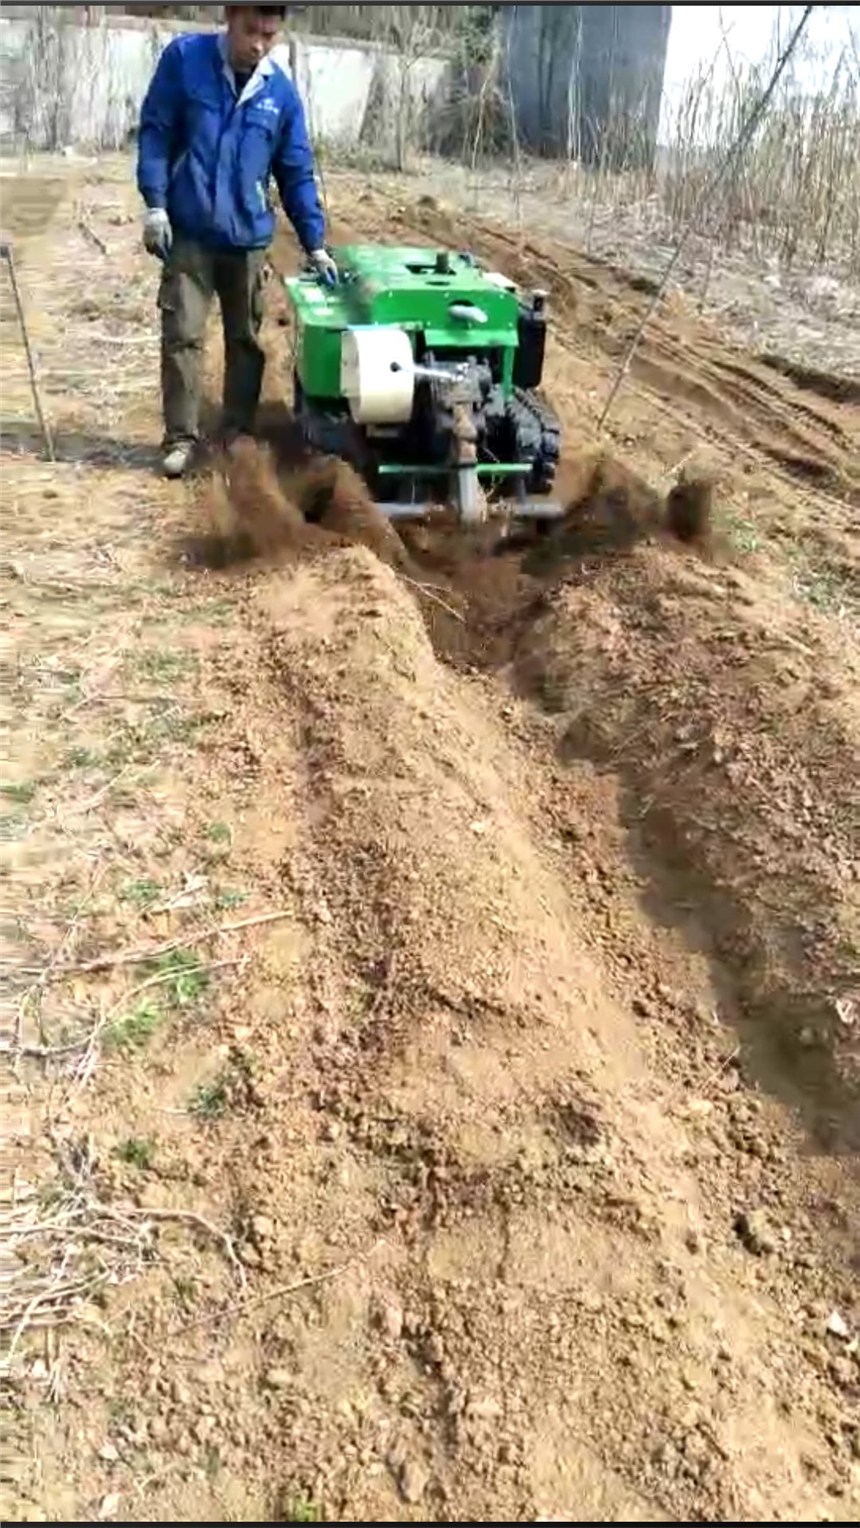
(559, 1280)
(332, 494)
(251, 513)
(732, 746)
(523, 1233)
(611, 509)
(256, 506)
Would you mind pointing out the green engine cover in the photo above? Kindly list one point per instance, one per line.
(412, 288)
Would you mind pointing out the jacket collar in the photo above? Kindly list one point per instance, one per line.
(279, 58)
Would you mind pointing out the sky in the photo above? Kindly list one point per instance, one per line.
(696, 33)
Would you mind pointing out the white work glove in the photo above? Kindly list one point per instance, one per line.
(157, 233)
(324, 266)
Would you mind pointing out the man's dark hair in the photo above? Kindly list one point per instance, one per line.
(280, 11)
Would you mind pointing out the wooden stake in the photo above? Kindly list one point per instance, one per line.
(6, 254)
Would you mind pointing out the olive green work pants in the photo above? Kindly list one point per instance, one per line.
(192, 276)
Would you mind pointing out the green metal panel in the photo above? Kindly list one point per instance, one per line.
(481, 469)
(320, 321)
(405, 286)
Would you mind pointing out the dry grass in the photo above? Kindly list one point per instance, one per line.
(98, 708)
(794, 195)
(796, 192)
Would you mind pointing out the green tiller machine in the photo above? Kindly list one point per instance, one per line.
(422, 370)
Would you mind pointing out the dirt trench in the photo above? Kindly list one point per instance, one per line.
(523, 1226)
(491, 1113)
(630, 627)
(665, 670)
(555, 1298)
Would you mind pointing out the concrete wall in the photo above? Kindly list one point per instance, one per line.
(587, 79)
(65, 83)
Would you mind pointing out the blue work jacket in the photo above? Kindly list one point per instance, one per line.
(206, 153)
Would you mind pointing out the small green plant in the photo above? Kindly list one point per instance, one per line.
(227, 899)
(164, 664)
(215, 612)
(186, 1290)
(140, 742)
(298, 1509)
(211, 1098)
(82, 758)
(174, 726)
(212, 1461)
(231, 1088)
(140, 893)
(186, 978)
(133, 1029)
(822, 589)
(128, 745)
(219, 833)
(158, 588)
(20, 791)
(743, 535)
(13, 825)
(136, 1152)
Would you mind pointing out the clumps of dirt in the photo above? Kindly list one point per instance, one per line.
(611, 509)
(501, 583)
(332, 494)
(268, 503)
(251, 512)
(270, 499)
(689, 509)
(256, 507)
(732, 742)
(279, 429)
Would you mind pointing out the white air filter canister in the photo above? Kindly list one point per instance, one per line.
(377, 374)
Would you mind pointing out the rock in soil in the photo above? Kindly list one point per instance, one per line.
(754, 1230)
(414, 1480)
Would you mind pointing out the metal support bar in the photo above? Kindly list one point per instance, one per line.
(531, 510)
(535, 509)
(483, 469)
(6, 254)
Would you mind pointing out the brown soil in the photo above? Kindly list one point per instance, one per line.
(533, 1119)
(250, 513)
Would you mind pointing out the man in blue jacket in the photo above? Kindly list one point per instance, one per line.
(220, 118)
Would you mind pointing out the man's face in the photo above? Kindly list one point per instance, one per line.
(250, 36)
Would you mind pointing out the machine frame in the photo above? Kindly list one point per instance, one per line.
(422, 369)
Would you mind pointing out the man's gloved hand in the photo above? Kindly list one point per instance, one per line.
(157, 233)
(324, 266)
